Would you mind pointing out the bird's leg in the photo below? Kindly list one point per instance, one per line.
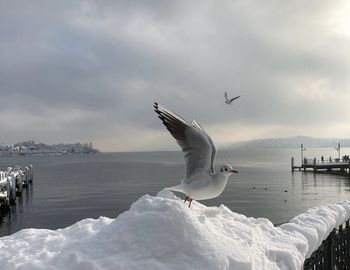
(190, 200)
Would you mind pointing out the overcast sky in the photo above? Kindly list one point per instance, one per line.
(81, 71)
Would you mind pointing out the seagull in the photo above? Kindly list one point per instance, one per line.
(201, 182)
(229, 101)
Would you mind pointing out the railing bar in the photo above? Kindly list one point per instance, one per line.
(334, 252)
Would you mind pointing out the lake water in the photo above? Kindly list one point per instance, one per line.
(69, 188)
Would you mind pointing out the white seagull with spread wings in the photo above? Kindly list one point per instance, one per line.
(229, 101)
(200, 181)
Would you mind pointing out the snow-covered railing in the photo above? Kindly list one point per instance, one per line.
(334, 252)
(163, 233)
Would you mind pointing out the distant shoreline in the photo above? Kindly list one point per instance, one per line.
(47, 154)
(291, 142)
(32, 148)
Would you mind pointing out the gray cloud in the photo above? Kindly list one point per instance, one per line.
(91, 70)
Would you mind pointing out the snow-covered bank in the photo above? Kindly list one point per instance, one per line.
(163, 233)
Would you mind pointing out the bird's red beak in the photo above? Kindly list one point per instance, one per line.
(234, 171)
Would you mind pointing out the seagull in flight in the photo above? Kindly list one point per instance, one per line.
(201, 182)
(229, 101)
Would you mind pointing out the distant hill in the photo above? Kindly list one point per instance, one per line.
(292, 142)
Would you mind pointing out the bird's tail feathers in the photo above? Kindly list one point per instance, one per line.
(178, 188)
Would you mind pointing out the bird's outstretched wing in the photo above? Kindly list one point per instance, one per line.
(197, 145)
(226, 97)
(213, 148)
(232, 99)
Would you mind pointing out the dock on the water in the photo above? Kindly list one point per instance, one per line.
(12, 182)
(329, 165)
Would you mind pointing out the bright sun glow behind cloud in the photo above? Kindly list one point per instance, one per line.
(339, 18)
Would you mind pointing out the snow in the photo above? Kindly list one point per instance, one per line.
(163, 233)
(316, 223)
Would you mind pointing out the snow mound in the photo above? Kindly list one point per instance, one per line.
(163, 233)
(317, 223)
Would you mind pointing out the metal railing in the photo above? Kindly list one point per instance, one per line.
(334, 252)
(326, 161)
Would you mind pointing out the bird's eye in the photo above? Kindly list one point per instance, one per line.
(225, 169)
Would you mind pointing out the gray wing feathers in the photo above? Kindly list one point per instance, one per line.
(213, 148)
(213, 153)
(232, 99)
(174, 123)
(195, 142)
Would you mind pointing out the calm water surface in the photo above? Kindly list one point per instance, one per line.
(69, 188)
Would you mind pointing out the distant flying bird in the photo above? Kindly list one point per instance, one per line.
(229, 101)
(201, 182)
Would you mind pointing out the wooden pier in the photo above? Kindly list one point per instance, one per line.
(12, 182)
(328, 165)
